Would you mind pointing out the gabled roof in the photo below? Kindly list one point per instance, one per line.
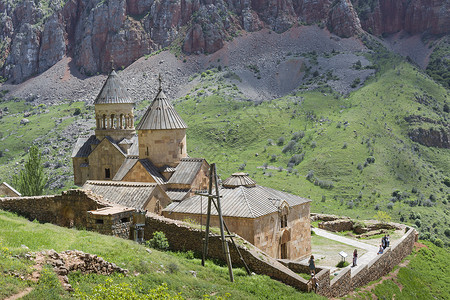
(130, 194)
(177, 194)
(13, 190)
(161, 115)
(186, 171)
(113, 91)
(83, 146)
(130, 162)
(244, 202)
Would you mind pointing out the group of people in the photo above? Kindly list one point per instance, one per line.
(384, 244)
(312, 282)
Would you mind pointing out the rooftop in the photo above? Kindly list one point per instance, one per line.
(113, 91)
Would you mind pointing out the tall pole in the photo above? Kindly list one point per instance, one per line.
(208, 217)
(226, 250)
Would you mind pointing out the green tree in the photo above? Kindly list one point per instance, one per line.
(31, 180)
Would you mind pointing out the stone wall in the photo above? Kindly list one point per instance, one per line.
(118, 224)
(337, 225)
(345, 282)
(181, 237)
(68, 209)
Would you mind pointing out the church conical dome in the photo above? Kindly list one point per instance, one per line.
(113, 91)
(161, 115)
(238, 179)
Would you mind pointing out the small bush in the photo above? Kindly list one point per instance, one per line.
(342, 264)
(298, 135)
(310, 175)
(296, 159)
(173, 268)
(159, 241)
(344, 146)
(290, 147)
(418, 222)
(280, 141)
(77, 111)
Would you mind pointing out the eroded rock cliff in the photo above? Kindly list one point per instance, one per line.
(35, 35)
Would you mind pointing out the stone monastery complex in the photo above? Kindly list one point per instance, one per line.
(147, 167)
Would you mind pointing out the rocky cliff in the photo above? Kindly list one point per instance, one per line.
(35, 35)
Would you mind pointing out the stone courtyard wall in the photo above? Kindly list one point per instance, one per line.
(68, 209)
(345, 281)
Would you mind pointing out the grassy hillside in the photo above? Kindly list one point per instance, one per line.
(351, 155)
(425, 277)
(148, 270)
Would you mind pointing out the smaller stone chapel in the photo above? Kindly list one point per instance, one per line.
(146, 167)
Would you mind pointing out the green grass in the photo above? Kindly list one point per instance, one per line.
(427, 276)
(153, 269)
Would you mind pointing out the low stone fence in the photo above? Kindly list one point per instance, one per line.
(68, 209)
(345, 281)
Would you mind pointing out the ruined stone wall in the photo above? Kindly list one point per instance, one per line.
(68, 209)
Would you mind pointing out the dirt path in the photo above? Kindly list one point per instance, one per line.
(21, 294)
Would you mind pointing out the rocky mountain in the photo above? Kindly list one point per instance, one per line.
(35, 35)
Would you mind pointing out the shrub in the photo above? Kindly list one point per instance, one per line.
(159, 241)
(438, 242)
(77, 111)
(313, 144)
(265, 165)
(418, 222)
(383, 217)
(290, 147)
(390, 205)
(173, 268)
(242, 166)
(344, 146)
(447, 232)
(360, 167)
(269, 142)
(296, 159)
(298, 135)
(273, 157)
(310, 175)
(342, 264)
(280, 141)
(350, 204)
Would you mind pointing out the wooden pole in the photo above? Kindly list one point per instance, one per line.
(226, 250)
(208, 217)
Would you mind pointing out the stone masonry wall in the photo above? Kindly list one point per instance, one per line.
(181, 237)
(68, 209)
(345, 282)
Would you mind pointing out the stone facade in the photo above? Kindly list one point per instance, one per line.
(265, 232)
(111, 221)
(164, 147)
(68, 209)
(104, 161)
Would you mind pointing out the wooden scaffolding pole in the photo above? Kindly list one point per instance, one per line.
(211, 197)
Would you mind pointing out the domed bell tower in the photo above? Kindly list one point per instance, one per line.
(114, 115)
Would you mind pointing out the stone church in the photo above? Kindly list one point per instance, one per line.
(147, 167)
(153, 152)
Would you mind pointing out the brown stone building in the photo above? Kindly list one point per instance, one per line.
(156, 154)
(276, 222)
(151, 171)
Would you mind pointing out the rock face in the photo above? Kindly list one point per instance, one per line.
(414, 16)
(95, 33)
(439, 137)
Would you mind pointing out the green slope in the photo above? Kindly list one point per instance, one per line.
(148, 270)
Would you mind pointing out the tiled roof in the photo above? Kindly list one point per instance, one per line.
(130, 194)
(113, 91)
(186, 170)
(177, 195)
(238, 179)
(129, 163)
(126, 166)
(153, 171)
(83, 146)
(244, 202)
(161, 115)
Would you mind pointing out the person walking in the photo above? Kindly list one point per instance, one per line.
(387, 241)
(312, 266)
(355, 256)
(312, 284)
(383, 242)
